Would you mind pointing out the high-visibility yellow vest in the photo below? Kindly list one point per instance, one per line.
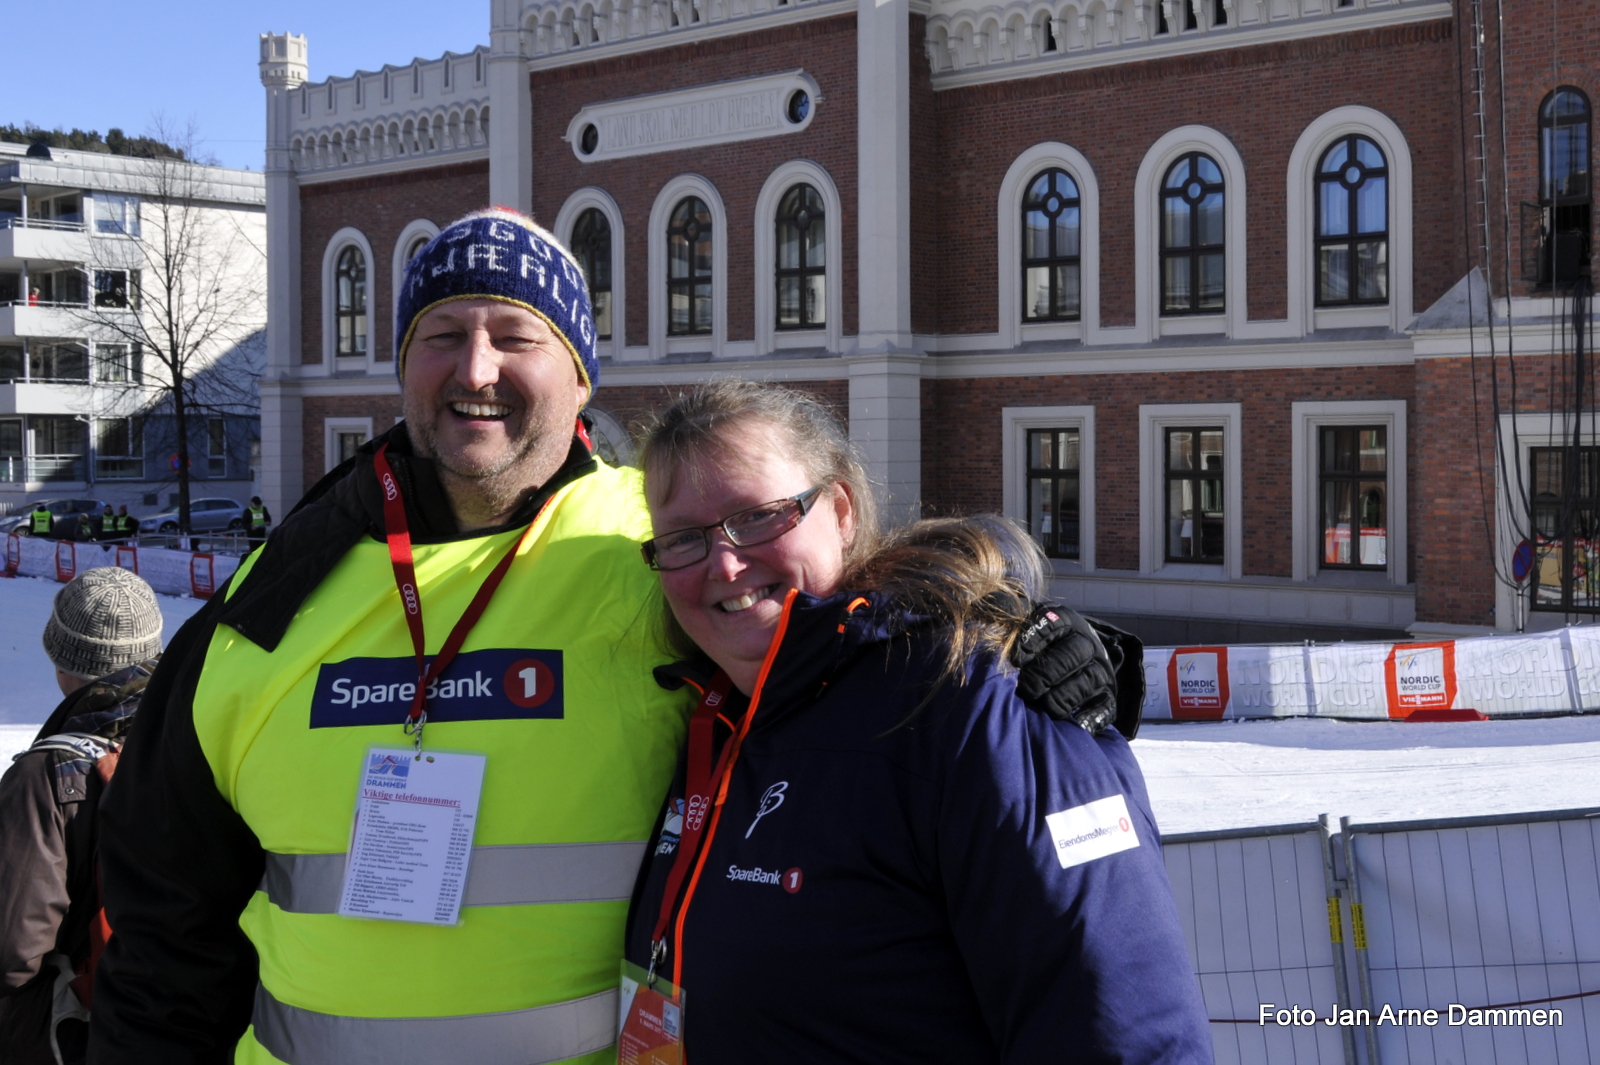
(258, 517)
(568, 801)
(41, 523)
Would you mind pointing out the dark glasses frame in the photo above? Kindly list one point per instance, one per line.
(795, 508)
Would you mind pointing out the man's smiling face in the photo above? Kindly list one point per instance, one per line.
(491, 394)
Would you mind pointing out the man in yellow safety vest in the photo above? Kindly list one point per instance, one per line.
(41, 523)
(482, 538)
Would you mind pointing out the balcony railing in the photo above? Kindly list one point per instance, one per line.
(118, 469)
(11, 221)
(17, 468)
(70, 305)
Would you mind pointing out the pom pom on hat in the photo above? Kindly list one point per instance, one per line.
(499, 254)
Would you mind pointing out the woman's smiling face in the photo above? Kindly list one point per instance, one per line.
(730, 601)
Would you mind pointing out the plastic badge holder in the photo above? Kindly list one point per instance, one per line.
(650, 1025)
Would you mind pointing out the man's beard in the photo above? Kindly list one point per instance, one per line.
(499, 484)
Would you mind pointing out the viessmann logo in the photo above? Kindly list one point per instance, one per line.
(489, 685)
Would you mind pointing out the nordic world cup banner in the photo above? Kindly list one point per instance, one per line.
(1496, 676)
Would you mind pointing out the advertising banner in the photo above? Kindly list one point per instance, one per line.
(1420, 676)
(66, 561)
(1197, 683)
(13, 554)
(128, 557)
(202, 578)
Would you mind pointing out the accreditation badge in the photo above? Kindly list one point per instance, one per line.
(649, 1020)
(412, 838)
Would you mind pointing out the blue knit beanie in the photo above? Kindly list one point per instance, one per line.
(498, 254)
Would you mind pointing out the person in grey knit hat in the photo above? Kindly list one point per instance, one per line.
(103, 636)
(104, 620)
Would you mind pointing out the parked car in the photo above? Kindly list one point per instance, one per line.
(66, 517)
(205, 515)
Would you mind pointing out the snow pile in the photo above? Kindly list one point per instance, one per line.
(1238, 774)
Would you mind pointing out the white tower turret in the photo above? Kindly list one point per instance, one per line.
(283, 71)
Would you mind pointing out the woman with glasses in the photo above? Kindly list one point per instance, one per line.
(873, 851)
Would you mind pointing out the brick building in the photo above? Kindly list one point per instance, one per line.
(1198, 290)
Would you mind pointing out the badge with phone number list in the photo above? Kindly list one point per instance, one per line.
(649, 1020)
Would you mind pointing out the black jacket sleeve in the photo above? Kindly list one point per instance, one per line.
(177, 980)
(33, 856)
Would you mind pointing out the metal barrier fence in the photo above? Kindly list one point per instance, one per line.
(1491, 923)
(1260, 913)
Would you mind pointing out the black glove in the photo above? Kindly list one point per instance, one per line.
(1078, 670)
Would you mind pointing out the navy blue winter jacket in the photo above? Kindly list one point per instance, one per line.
(970, 882)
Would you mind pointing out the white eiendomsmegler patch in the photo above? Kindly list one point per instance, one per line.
(1093, 830)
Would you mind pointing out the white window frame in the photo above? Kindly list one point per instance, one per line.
(1027, 166)
(421, 227)
(1306, 491)
(331, 362)
(1519, 435)
(1147, 236)
(769, 338)
(1015, 423)
(1304, 314)
(566, 220)
(673, 191)
(1154, 419)
(331, 428)
(614, 431)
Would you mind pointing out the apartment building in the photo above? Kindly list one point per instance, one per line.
(1268, 317)
(85, 407)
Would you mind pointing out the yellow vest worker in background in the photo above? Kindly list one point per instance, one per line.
(41, 521)
(506, 782)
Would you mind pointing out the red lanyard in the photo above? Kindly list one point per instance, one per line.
(698, 795)
(398, 532)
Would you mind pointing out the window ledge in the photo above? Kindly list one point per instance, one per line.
(1334, 578)
(1192, 324)
(1190, 571)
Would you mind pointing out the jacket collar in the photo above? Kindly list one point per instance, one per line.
(346, 506)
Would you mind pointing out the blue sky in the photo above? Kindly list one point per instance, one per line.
(96, 65)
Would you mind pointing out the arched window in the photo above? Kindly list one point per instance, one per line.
(591, 244)
(1352, 243)
(801, 269)
(350, 289)
(689, 268)
(1192, 257)
(418, 242)
(1565, 192)
(1051, 271)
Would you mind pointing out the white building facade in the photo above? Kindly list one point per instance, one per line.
(80, 410)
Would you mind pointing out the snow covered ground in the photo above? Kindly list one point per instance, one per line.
(1202, 776)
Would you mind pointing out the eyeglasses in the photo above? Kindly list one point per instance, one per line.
(757, 525)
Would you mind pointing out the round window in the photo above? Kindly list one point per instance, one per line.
(589, 139)
(799, 106)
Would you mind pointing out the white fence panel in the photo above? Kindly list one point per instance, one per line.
(1488, 913)
(1254, 909)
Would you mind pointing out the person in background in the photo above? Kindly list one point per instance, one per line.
(40, 522)
(104, 637)
(127, 524)
(874, 851)
(258, 519)
(105, 527)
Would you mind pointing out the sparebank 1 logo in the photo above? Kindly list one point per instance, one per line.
(488, 685)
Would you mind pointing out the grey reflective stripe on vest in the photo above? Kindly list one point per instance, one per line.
(497, 876)
(518, 1037)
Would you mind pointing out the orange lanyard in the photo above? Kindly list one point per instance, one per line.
(720, 776)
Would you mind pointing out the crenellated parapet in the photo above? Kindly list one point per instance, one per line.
(424, 111)
(554, 32)
(967, 44)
